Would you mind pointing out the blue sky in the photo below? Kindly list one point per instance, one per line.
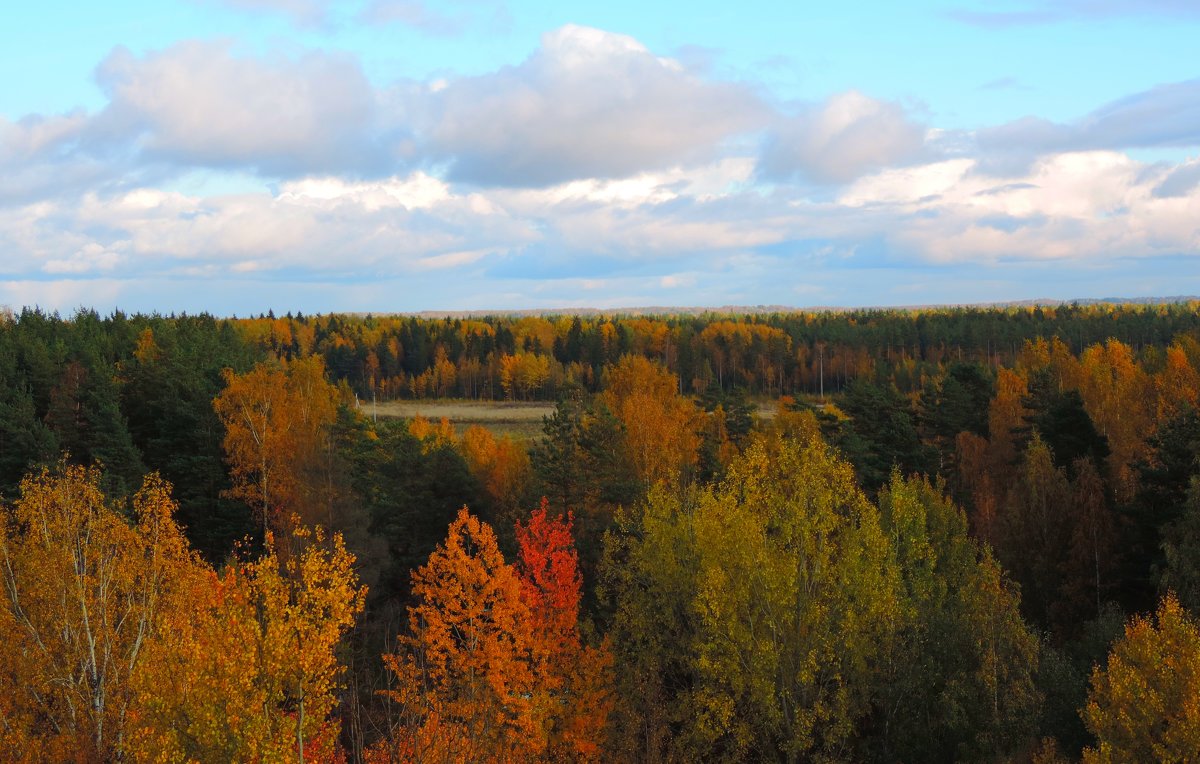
(397, 155)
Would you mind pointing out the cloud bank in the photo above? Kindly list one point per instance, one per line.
(595, 171)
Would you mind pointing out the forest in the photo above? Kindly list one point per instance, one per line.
(960, 534)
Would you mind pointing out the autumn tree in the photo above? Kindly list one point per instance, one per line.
(572, 686)
(84, 591)
(1142, 705)
(249, 669)
(661, 427)
(1119, 397)
(274, 418)
(502, 467)
(748, 616)
(1177, 386)
(464, 677)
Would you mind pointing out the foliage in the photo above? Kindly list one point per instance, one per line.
(958, 682)
(1142, 705)
(746, 616)
(84, 592)
(249, 671)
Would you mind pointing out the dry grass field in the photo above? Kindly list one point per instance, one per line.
(521, 420)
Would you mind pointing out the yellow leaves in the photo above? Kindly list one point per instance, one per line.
(248, 670)
(661, 427)
(523, 374)
(1144, 705)
(1118, 397)
(274, 417)
(116, 640)
(83, 592)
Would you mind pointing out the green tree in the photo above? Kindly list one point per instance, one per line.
(748, 615)
(958, 680)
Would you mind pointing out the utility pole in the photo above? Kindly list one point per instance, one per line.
(821, 362)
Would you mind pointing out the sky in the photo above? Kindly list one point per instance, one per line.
(239, 156)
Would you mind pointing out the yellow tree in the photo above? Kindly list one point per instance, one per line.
(1177, 386)
(1144, 705)
(249, 670)
(84, 591)
(661, 426)
(1119, 398)
(275, 417)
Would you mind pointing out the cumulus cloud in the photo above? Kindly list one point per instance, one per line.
(586, 104)
(1167, 116)
(1095, 206)
(847, 136)
(442, 245)
(198, 103)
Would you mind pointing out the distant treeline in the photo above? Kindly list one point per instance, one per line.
(532, 357)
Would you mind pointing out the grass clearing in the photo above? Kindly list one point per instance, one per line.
(522, 420)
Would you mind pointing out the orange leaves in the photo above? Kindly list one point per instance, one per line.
(493, 666)
(468, 646)
(274, 418)
(501, 466)
(1178, 385)
(661, 427)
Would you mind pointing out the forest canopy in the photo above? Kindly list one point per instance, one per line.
(937, 535)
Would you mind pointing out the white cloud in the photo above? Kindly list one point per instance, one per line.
(418, 191)
(586, 104)
(199, 103)
(847, 136)
(1094, 206)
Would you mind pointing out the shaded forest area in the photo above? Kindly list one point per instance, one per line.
(982, 543)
